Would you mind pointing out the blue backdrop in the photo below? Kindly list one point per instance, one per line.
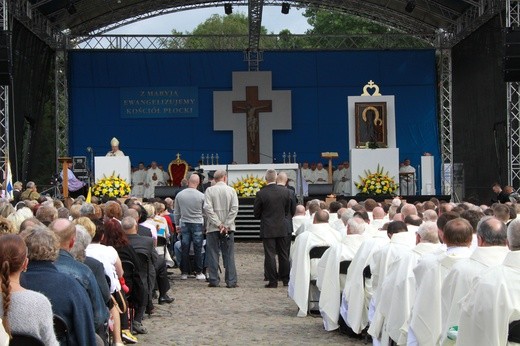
(320, 83)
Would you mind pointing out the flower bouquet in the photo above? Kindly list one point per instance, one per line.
(377, 183)
(248, 186)
(110, 187)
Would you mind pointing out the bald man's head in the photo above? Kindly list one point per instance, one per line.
(194, 181)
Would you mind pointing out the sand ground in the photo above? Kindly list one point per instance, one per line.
(247, 315)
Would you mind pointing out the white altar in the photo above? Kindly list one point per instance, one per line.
(108, 165)
(237, 172)
(368, 159)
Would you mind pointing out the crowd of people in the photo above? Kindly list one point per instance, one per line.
(427, 273)
(92, 265)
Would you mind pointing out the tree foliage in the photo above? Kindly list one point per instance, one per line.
(326, 22)
(219, 32)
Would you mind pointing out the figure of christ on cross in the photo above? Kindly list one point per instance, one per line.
(252, 106)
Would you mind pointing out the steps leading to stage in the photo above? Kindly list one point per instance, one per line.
(247, 227)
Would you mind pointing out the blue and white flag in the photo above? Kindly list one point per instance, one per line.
(8, 179)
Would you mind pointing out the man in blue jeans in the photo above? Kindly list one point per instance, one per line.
(190, 224)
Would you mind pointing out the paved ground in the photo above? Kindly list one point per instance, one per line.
(247, 315)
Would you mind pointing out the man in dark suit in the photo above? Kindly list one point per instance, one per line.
(157, 265)
(282, 180)
(272, 204)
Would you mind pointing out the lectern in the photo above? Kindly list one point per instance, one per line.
(330, 156)
(65, 168)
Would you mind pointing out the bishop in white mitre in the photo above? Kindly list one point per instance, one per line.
(114, 143)
(426, 318)
(493, 300)
(341, 179)
(138, 181)
(154, 177)
(491, 251)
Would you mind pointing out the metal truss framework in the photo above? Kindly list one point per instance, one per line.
(270, 42)
(62, 105)
(445, 119)
(4, 98)
(460, 26)
(513, 105)
(255, 26)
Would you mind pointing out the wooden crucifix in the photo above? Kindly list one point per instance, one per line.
(252, 106)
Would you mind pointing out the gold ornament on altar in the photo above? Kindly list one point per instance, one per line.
(377, 183)
(248, 186)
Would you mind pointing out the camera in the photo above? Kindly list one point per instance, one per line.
(223, 236)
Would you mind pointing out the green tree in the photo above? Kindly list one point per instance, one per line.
(326, 22)
(351, 31)
(219, 32)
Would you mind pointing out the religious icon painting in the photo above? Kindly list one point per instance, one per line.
(371, 124)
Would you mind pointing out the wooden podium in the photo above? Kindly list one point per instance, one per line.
(65, 168)
(330, 156)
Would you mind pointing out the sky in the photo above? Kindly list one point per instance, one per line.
(184, 21)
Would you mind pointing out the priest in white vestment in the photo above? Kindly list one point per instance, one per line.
(300, 218)
(138, 181)
(425, 324)
(114, 143)
(154, 177)
(330, 282)
(401, 241)
(407, 179)
(307, 175)
(341, 180)
(493, 300)
(379, 218)
(320, 175)
(302, 268)
(491, 251)
(358, 290)
(398, 290)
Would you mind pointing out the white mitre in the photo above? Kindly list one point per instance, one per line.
(114, 142)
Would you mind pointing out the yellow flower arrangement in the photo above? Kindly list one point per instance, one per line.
(248, 186)
(377, 183)
(112, 186)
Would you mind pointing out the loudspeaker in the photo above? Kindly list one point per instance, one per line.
(166, 191)
(511, 62)
(320, 189)
(228, 9)
(5, 58)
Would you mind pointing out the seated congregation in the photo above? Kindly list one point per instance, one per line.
(85, 273)
(409, 274)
